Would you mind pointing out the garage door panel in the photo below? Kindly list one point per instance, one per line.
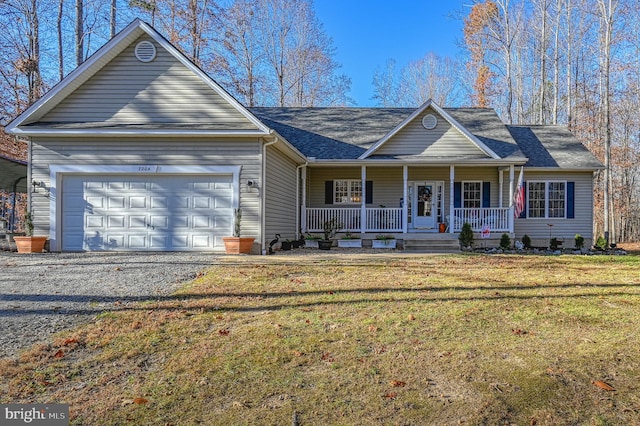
(138, 222)
(95, 222)
(137, 241)
(180, 242)
(159, 203)
(116, 202)
(116, 221)
(116, 185)
(138, 202)
(201, 241)
(146, 212)
(222, 203)
(180, 222)
(159, 222)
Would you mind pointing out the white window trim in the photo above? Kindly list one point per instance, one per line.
(349, 196)
(462, 192)
(546, 199)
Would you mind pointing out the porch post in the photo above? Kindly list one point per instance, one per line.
(363, 200)
(501, 180)
(405, 201)
(303, 219)
(511, 191)
(452, 176)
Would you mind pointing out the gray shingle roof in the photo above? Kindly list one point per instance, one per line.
(346, 133)
(553, 146)
(332, 133)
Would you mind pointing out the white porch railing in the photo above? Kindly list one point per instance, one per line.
(390, 219)
(496, 218)
(377, 219)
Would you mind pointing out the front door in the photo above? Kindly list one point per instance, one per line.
(424, 202)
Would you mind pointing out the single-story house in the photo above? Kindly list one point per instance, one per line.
(139, 149)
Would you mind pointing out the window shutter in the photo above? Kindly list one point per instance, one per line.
(486, 194)
(328, 192)
(523, 214)
(457, 195)
(368, 199)
(571, 189)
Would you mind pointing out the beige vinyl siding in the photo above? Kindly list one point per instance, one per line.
(280, 195)
(127, 91)
(442, 141)
(149, 151)
(566, 229)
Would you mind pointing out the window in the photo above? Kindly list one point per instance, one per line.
(472, 195)
(547, 199)
(347, 191)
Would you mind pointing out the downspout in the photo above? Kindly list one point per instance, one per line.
(263, 208)
(299, 171)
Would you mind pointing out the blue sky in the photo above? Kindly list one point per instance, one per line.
(367, 33)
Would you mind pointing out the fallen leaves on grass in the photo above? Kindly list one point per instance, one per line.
(391, 395)
(397, 383)
(223, 332)
(603, 385)
(140, 401)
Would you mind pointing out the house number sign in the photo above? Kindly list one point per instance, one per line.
(147, 169)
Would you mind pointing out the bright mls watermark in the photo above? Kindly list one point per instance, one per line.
(34, 414)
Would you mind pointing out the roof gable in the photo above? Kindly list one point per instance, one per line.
(115, 92)
(448, 138)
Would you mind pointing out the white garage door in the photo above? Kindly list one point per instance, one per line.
(146, 213)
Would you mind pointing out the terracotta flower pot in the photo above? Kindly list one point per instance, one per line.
(238, 245)
(30, 244)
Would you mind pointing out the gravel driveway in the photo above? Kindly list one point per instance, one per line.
(45, 293)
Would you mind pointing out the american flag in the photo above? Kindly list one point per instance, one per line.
(518, 196)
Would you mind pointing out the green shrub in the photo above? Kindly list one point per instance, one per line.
(579, 241)
(554, 244)
(601, 243)
(526, 241)
(505, 241)
(466, 235)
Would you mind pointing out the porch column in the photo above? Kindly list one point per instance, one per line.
(363, 200)
(452, 176)
(303, 207)
(501, 183)
(511, 191)
(405, 200)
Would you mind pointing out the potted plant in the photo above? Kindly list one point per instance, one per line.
(330, 229)
(237, 244)
(349, 240)
(29, 243)
(384, 241)
(311, 241)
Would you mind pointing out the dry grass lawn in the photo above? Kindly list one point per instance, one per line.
(459, 339)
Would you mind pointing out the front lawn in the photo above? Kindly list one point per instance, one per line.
(450, 339)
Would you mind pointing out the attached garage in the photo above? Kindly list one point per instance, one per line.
(146, 211)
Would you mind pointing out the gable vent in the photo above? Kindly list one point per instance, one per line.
(429, 121)
(145, 51)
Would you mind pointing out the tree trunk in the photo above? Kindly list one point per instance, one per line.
(60, 45)
(79, 32)
(113, 18)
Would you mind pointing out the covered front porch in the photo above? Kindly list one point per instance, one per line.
(434, 204)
